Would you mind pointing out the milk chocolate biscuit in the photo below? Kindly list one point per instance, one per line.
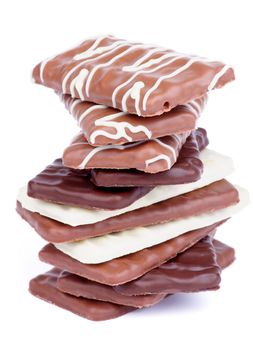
(193, 270)
(188, 168)
(151, 156)
(81, 287)
(62, 185)
(225, 254)
(133, 77)
(44, 287)
(215, 196)
(104, 125)
(128, 267)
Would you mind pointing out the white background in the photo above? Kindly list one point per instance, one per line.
(35, 128)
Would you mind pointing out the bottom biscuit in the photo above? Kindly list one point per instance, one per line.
(44, 287)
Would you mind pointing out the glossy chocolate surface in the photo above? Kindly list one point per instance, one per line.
(62, 185)
(193, 270)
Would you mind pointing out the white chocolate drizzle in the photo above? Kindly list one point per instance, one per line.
(109, 49)
(138, 64)
(42, 68)
(74, 104)
(194, 108)
(93, 49)
(134, 92)
(147, 62)
(95, 150)
(168, 76)
(89, 110)
(120, 127)
(111, 121)
(77, 83)
(170, 157)
(111, 61)
(157, 158)
(217, 77)
(118, 88)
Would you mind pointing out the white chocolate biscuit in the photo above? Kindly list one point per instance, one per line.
(216, 167)
(104, 248)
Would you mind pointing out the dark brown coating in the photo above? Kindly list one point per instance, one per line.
(188, 168)
(105, 125)
(62, 185)
(193, 270)
(82, 287)
(44, 287)
(132, 72)
(215, 196)
(128, 267)
(225, 255)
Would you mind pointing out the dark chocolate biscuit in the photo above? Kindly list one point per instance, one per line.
(59, 184)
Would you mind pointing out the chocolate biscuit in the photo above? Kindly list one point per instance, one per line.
(150, 156)
(132, 77)
(128, 267)
(103, 125)
(44, 287)
(188, 168)
(62, 185)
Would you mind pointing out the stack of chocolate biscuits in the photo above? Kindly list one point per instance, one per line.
(130, 210)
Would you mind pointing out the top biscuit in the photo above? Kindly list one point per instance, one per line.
(136, 78)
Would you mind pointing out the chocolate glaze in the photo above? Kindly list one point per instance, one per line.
(105, 125)
(129, 267)
(218, 195)
(188, 168)
(94, 76)
(59, 184)
(193, 270)
(44, 287)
